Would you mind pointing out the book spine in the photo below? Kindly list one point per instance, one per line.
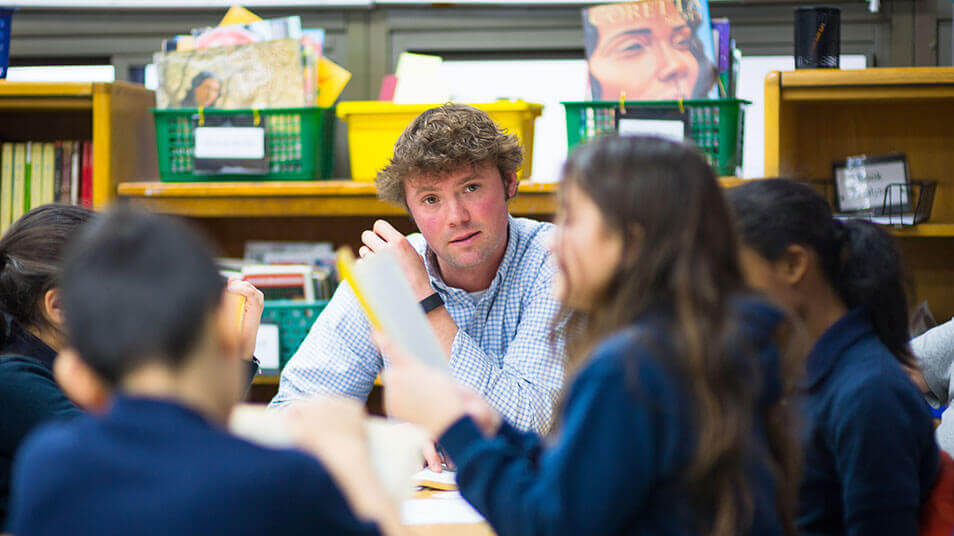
(28, 177)
(86, 187)
(19, 181)
(723, 27)
(57, 170)
(49, 173)
(75, 173)
(6, 185)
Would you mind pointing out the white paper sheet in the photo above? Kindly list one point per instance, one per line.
(438, 511)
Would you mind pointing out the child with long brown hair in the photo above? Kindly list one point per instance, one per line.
(673, 423)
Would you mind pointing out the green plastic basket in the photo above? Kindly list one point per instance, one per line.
(299, 143)
(715, 125)
(294, 320)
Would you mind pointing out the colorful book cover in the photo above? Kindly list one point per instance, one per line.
(650, 50)
(268, 74)
(6, 185)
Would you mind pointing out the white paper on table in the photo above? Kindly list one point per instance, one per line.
(395, 448)
(431, 511)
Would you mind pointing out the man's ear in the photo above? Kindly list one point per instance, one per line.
(53, 307)
(511, 184)
(793, 264)
(80, 382)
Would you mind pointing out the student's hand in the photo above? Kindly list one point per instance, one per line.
(417, 393)
(383, 236)
(251, 314)
(918, 378)
(435, 460)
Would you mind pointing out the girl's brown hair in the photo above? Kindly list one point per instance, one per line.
(680, 256)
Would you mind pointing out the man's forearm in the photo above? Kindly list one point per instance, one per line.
(444, 327)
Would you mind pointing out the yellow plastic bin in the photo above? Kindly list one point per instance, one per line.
(374, 127)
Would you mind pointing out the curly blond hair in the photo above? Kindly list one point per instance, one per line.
(442, 140)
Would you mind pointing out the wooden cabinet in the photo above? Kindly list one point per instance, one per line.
(815, 117)
(115, 116)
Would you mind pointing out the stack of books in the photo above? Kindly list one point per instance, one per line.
(36, 173)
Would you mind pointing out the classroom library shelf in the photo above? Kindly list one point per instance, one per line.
(115, 116)
(815, 117)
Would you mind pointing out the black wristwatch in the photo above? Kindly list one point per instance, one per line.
(431, 302)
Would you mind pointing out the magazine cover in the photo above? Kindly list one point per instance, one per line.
(650, 50)
(268, 74)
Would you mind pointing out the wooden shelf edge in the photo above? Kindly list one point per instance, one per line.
(45, 89)
(885, 76)
(925, 230)
(332, 188)
(311, 199)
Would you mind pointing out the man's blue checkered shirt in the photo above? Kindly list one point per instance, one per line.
(503, 348)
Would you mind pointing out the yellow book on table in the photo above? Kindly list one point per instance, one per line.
(19, 181)
(6, 185)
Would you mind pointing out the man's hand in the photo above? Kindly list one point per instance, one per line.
(251, 313)
(382, 237)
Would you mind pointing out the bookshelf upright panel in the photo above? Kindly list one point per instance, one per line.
(815, 117)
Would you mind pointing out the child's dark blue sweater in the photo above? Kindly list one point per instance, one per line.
(155, 467)
(870, 454)
(617, 463)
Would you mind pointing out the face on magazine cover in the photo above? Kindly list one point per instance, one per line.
(649, 51)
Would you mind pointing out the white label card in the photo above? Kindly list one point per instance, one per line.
(230, 142)
(266, 346)
(667, 129)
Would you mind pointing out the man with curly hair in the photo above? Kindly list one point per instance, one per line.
(482, 276)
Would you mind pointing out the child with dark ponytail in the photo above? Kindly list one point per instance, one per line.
(870, 455)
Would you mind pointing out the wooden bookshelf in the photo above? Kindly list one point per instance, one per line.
(115, 116)
(816, 117)
(281, 199)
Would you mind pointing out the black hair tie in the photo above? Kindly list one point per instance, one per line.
(841, 230)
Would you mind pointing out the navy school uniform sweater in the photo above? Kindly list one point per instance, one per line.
(155, 467)
(870, 454)
(29, 396)
(626, 439)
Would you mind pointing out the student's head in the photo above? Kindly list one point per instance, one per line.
(142, 292)
(454, 170)
(649, 50)
(643, 226)
(641, 222)
(31, 258)
(797, 253)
